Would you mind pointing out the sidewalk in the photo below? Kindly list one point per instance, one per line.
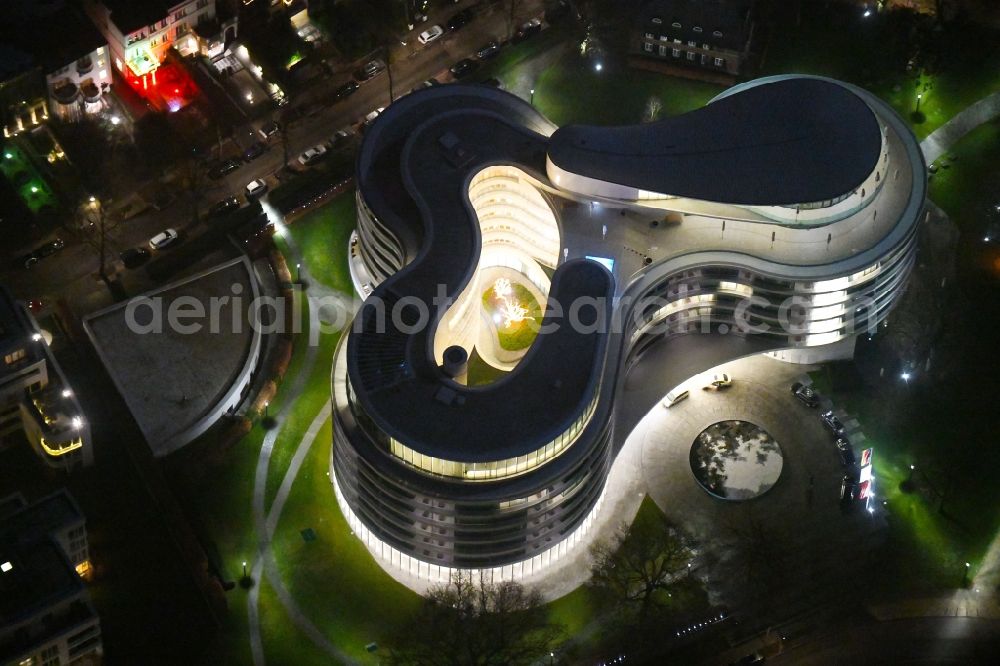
(943, 138)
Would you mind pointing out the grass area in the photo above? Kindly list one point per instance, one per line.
(283, 642)
(346, 593)
(514, 335)
(572, 92)
(323, 235)
(835, 40)
(481, 372)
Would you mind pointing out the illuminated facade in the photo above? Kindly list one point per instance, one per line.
(781, 218)
(35, 398)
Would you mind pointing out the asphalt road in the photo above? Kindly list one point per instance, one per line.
(70, 273)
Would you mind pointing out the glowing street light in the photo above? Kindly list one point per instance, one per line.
(266, 403)
(867, 12)
(532, 96)
(298, 272)
(67, 393)
(905, 376)
(919, 97)
(36, 337)
(77, 423)
(115, 120)
(598, 67)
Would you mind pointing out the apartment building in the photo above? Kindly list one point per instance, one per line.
(35, 397)
(46, 617)
(713, 35)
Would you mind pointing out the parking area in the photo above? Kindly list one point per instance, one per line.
(798, 528)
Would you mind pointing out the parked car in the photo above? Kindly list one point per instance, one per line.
(806, 394)
(342, 137)
(371, 116)
(346, 90)
(134, 257)
(719, 381)
(848, 488)
(312, 155)
(845, 451)
(223, 169)
(163, 239)
(832, 423)
(430, 34)
(532, 27)
(463, 67)
(488, 50)
(460, 20)
(255, 188)
(253, 151)
(674, 397)
(220, 208)
(42, 251)
(269, 129)
(371, 69)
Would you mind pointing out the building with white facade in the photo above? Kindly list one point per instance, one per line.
(780, 218)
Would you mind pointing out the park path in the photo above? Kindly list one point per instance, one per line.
(265, 522)
(940, 141)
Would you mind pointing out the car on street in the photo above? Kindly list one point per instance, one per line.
(371, 116)
(719, 381)
(163, 239)
(459, 20)
(269, 129)
(849, 488)
(532, 27)
(223, 169)
(312, 155)
(463, 67)
(430, 34)
(220, 208)
(42, 251)
(845, 451)
(255, 188)
(253, 151)
(488, 50)
(674, 397)
(805, 394)
(342, 137)
(346, 90)
(371, 69)
(134, 257)
(832, 423)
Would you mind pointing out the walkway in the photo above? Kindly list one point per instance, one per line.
(325, 306)
(943, 138)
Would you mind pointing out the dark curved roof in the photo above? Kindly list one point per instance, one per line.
(440, 137)
(789, 142)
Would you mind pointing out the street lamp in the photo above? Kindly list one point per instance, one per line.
(115, 120)
(298, 272)
(905, 376)
(266, 403)
(244, 569)
(532, 97)
(919, 97)
(598, 67)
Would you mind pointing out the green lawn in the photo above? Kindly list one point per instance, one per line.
(515, 336)
(836, 40)
(323, 235)
(26, 180)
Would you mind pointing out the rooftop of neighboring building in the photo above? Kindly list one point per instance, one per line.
(38, 520)
(15, 329)
(50, 34)
(728, 17)
(34, 571)
(132, 15)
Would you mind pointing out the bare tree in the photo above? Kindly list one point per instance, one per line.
(640, 566)
(472, 621)
(95, 221)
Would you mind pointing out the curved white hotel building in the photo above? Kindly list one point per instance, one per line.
(780, 218)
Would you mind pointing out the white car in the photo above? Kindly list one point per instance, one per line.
(312, 155)
(255, 188)
(163, 239)
(674, 397)
(430, 34)
(720, 381)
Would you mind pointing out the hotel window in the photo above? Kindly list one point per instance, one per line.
(704, 58)
(719, 62)
(657, 20)
(649, 35)
(647, 47)
(14, 356)
(677, 53)
(717, 33)
(704, 46)
(675, 24)
(104, 74)
(663, 50)
(677, 41)
(202, 4)
(179, 15)
(697, 28)
(693, 43)
(690, 55)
